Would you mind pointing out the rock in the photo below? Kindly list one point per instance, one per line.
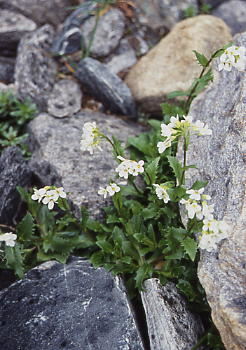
(215, 3)
(13, 27)
(4, 87)
(72, 306)
(108, 33)
(65, 99)
(123, 58)
(223, 108)
(35, 70)
(171, 325)
(234, 15)
(41, 12)
(171, 65)
(105, 86)
(14, 171)
(162, 13)
(7, 67)
(57, 159)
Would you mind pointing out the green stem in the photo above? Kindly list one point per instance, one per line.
(184, 162)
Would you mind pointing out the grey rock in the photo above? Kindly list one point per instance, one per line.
(72, 306)
(110, 29)
(65, 99)
(57, 158)
(234, 14)
(7, 67)
(171, 326)
(105, 86)
(4, 87)
(220, 159)
(13, 27)
(41, 12)
(215, 3)
(123, 58)
(35, 69)
(14, 171)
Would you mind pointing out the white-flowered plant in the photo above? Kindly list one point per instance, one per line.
(49, 195)
(161, 192)
(110, 190)
(9, 238)
(129, 167)
(233, 56)
(91, 138)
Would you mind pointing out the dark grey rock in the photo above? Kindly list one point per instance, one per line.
(14, 171)
(123, 58)
(72, 306)
(234, 14)
(41, 12)
(65, 99)
(35, 69)
(171, 325)
(57, 158)
(13, 27)
(215, 3)
(221, 160)
(7, 67)
(105, 86)
(110, 29)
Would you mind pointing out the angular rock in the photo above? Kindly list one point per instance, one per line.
(14, 171)
(234, 14)
(171, 64)
(105, 86)
(35, 69)
(41, 12)
(72, 307)
(65, 99)
(13, 27)
(223, 163)
(57, 159)
(171, 326)
(123, 58)
(7, 67)
(215, 3)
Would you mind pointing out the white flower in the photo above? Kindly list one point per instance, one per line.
(166, 130)
(210, 225)
(194, 209)
(60, 191)
(233, 56)
(208, 242)
(38, 194)
(51, 197)
(201, 129)
(174, 122)
(161, 192)
(112, 189)
(195, 194)
(103, 192)
(90, 138)
(128, 166)
(138, 168)
(163, 145)
(207, 210)
(206, 197)
(9, 238)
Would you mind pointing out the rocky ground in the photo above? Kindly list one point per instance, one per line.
(141, 52)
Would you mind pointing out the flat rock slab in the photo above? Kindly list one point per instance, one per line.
(57, 158)
(221, 159)
(72, 307)
(171, 326)
(35, 69)
(105, 86)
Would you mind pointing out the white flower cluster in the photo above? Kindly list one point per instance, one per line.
(161, 192)
(49, 195)
(233, 56)
(110, 190)
(90, 138)
(177, 128)
(128, 166)
(213, 231)
(9, 238)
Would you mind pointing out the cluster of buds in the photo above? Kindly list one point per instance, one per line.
(49, 195)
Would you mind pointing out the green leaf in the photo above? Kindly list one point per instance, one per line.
(142, 274)
(41, 256)
(177, 94)
(176, 166)
(105, 246)
(170, 110)
(202, 60)
(25, 227)
(186, 288)
(190, 247)
(156, 124)
(97, 259)
(199, 184)
(151, 171)
(14, 260)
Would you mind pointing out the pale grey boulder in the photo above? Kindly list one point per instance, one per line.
(72, 306)
(221, 160)
(35, 68)
(171, 326)
(65, 99)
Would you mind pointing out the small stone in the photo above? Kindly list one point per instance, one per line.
(7, 67)
(35, 69)
(171, 64)
(65, 99)
(72, 306)
(105, 86)
(171, 325)
(13, 27)
(234, 14)
(14, 171)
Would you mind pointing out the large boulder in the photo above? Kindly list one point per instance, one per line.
(221, 160)
(72, 307)
(35, 69)
(171, 64)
